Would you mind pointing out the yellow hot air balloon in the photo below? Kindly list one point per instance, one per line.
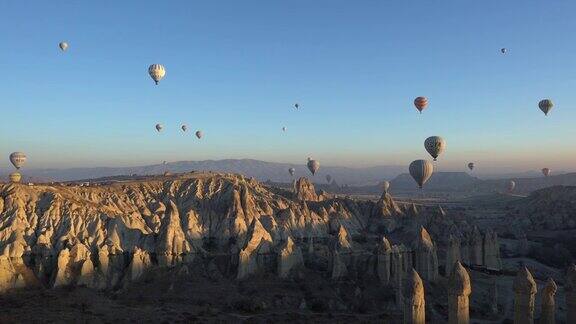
(15, 177)
(157, 72)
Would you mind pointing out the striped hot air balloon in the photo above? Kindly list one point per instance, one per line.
(545, 105)
(421, 103)
(18, 159)
(421, 171)
(157, 72)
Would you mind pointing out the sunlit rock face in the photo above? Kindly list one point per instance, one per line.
(105, 237)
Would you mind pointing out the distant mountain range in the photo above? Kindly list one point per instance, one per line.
(263, 171)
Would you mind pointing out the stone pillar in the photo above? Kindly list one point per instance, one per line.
(548, 315)
(397, 274)
(383, 263)
(525, 291)
(426, 259)
(491, 249)
(476, 244)
(452, 254)
(459, 289)
(570, 289)
(414, 303)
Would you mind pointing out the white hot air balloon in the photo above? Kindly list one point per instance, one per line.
(199, 134)
(63, 46)
(313, 166)
(18, 159)
(184, 128)
(157, 72)
(421, 171)
(386, 186)
(511, 185)
(292, 171)
(159, 127)
(435, 145)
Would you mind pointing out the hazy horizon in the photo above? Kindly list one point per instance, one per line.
(235, 70)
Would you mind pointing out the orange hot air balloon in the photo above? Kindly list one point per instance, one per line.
(421, 103)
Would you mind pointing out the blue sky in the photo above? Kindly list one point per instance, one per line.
(235, 69)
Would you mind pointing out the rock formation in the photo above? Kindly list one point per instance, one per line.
(258, 242)
(548, 313)
(414, 303)
(570, 289)
(475, 247)
(304, 190)
(459, 288)
(289, 258)
(491, 250)
(426, 259)
(383, 264)
(525, 291)
(452, 253)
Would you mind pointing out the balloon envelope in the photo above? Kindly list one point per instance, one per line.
(157, 72)
(421, 103)
(386, 186)
(511, 185)
(159, 127)
(503, 50)
(313, 166)
(18, 159)
(421, 171)
(296, 106)
(15, 177)
(283, 129)
(471, 165)
(435, 145)
(546, 105)
(199, 134)
(63, 46)
(546, 172)
(184, 128)
(291, 171)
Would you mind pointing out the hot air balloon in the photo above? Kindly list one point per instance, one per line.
(199, 134)
(386, 186)
(15, 177)
(184, 128)
(421, 103)
(18, 159)
(503, 50)
(546, 105)
(328, 178)
(164, 162)
(435, 145)
(63, 46)
(292, 171)
(511, 185)
(421, 171)
(313, 166)
(471, 166)
(284, 128)
(546, 172)
(296, 106)
(157, 72)
(159, 127)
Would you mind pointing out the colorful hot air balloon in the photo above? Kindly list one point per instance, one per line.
(184, 128)
(15, 177)
(421, 103)
(292, 171)
(511, 185)
(313, 166)
(18, 159)
(386, 186)
(328, 178)
(421, 171)
(199, 134)
(546, 172)
(157, 72)
(546, 105)
(435, 145)
(471, 166)
(63, 46)
(159, 127)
